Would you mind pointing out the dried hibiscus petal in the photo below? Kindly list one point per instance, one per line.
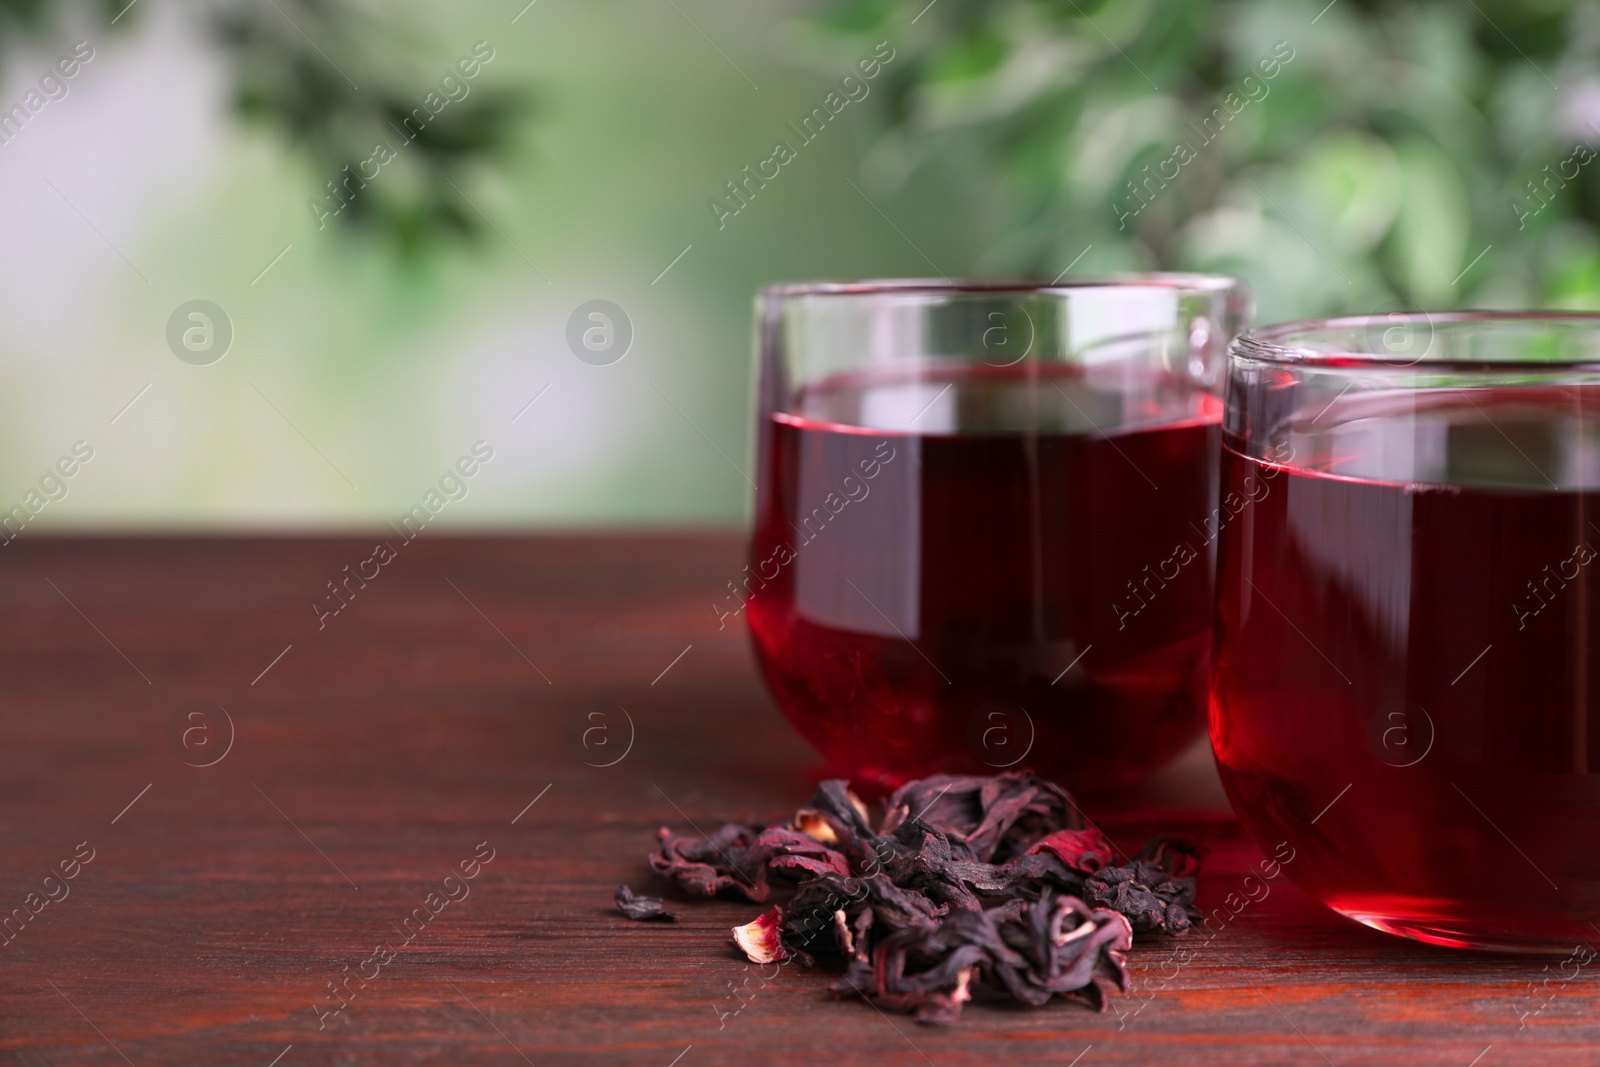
(1175, 855)
(837, 818)
(968, 882)
(815, 825)
(1033, 951)
(642, 908)
(941, 867)
(997, 817)
(871, 907)
(917, 973)
(1069, 948)
(795, 852)
(1081, 850)
(841, 933)
(761, 939)
(729, 860)
(1147, 891)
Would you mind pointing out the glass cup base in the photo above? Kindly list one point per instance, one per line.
(1467, 934)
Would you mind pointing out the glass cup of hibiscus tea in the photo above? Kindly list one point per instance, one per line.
(985, 523)
(1405, 700)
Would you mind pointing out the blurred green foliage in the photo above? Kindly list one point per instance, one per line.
(336, 79)
(1357, 156)
(333, 78)
(33, 16)
(1390, 145)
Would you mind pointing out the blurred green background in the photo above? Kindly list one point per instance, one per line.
(1353, 157)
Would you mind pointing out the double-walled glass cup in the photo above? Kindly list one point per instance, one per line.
(981, 533)
(1406, 687)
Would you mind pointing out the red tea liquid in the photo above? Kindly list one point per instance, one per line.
(935, 590)
(1407, 622)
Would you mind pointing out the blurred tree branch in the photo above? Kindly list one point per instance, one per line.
(293, 64)
(1355, 157)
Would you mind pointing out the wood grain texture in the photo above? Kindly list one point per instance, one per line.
(381, 750)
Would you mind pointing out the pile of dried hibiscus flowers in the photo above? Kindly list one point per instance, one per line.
(966, 883)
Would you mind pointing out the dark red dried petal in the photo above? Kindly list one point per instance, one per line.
(971, 880)
(1057, 946)
(1148, 891)
(836, 817)
(792, 850)
(730, 860)
(997, 817)
(1177, 856)
(1081, 850)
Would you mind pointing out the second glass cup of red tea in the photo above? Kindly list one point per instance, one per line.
(985, 522)
(1406, 690)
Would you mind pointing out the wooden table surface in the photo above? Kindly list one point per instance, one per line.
(471, 679)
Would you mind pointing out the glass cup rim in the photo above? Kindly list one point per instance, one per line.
(1276, 343)
(890, 287)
